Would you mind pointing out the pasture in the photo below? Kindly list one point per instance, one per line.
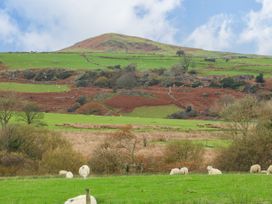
(32, 88)
(90, 61)
(164, 189)
(53, 119)
(154, 111)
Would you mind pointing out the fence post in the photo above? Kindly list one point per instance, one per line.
(88, 197)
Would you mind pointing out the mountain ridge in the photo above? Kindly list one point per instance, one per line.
(115, 42)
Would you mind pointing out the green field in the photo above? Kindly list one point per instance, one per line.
(154, 111)
(157, 189)
(32, 88)
(54, 118)
(88, 61)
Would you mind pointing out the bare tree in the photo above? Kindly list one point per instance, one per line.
(31, 114)
(126, 140)
(7, 109)
(240, 116)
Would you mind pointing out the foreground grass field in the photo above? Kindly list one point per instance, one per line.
(157, 189)
(32, 88)
(53, 119)
(88, 61)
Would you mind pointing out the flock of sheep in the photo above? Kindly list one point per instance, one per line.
(256, 168)
(185, 170)
(83, 171)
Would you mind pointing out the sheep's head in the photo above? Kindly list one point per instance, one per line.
(209, 168)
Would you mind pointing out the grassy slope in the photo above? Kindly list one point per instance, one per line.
(154, 111)
(32, 88)
(229, 188)
(54, 118)
(76, 61)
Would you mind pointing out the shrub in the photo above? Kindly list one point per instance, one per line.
(29, 74)
(102, 82)
(196, 84)
(188, 113)
(25, 147)
(184, 153)
(260, 78)
(81, 100)
(106, 160)
(82, 83)
(15, 163)
(61, 158)
(126, 81)
(91, 108)
(231, 83)
(74, 107)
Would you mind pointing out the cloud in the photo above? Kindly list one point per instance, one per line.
(54, 24)
(259, 28)
(7, 28)
(216, 34)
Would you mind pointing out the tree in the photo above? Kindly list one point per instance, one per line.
(127, 141)
(180, 53)
(7, 106)
(31, 114)
(185, 61)
(240, 116)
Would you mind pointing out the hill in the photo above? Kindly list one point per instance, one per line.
(112, 42)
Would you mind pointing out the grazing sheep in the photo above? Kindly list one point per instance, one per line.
(256, 168)
(82, 199)
(263, 172)
(184, 170)
(84, 171)
(175, 171)
(63, 172)
(69, 175)
(269, 170)
(213, 171)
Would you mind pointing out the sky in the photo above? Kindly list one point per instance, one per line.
(243, 26)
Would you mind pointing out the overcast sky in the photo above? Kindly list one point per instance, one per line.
(243, 26)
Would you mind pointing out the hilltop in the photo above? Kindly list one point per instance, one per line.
(112, 42)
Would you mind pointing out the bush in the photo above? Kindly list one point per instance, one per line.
(102, 82)
(14, 163)
(260, 78)
(81, 100)
(106, 160)
(188, 113)
(91, 108)
(184, 153)
(61, 158)
(74, 107)
(126, 81)
(23, 148)
(231, 83)
(28, 74)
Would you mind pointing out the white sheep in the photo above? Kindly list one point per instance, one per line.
(84, 171)
(256, 168)
(69, 175)
(82, 199)
(269, 170)
(184, 170)
(174, 171)
(213, 171)
(63, 172)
